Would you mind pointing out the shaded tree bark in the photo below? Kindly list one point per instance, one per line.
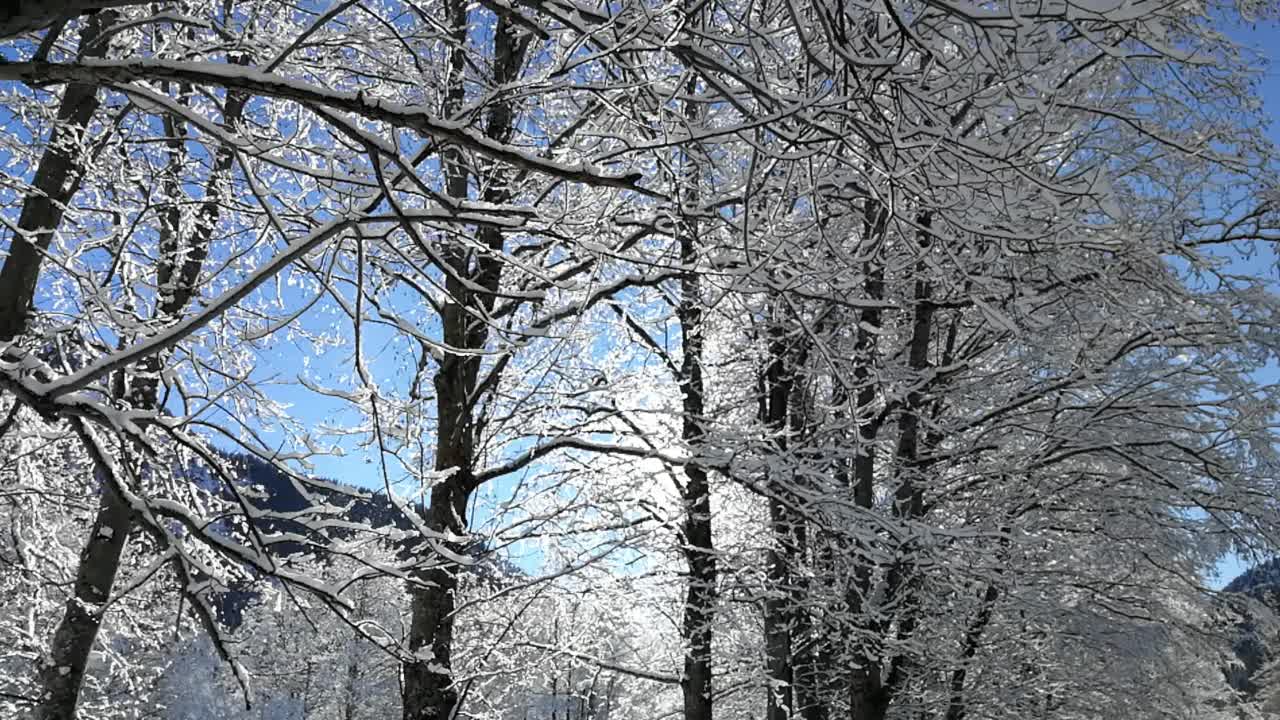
(784, 619)
(881, 677)
(472, 282)
(62, 673)
(699, 552)
(957, 707)
(56, 180)
(864, 676)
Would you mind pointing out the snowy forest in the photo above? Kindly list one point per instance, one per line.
(638, 360)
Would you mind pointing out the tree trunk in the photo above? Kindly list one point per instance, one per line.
(62, 673)
(699, 608)
(781, 612)
(875, 684)
(473, 279)
(777, 630)
(351, 704)
(56, 180)
(957, 707)
(864, 675)
(428, 678)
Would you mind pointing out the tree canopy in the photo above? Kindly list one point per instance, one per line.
(744, 358)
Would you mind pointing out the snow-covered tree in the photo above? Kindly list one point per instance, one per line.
(875, 359)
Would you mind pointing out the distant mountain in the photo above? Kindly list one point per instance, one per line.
(273, 491)
(1260, 582)
(1255, 597)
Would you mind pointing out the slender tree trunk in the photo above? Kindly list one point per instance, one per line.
(696, 681)
(62, 673)
(957, 708)
(880, 682)
(780, 609)
(428, 680)
(472, 281)
(864, 675)
(56, 180)
(778, 613)
(351, 704)
(908, 498)
(789, 641)
(700, 599)
(806, 696)
(806, 671)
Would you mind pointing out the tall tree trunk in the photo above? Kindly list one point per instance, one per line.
(777, 631)
(864, 675)
(957, 708)
(428, 680)
(786, 526)
(62, 673)
(789, 641)
(700, 598)
(56, 180)
(806, 670)
(871, 698)
(472, 282)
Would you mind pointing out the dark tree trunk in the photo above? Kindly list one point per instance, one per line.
(957, 708)
(878, 678)
(62, 674)
(472, 281)
(699, 552)
(56, 180)
(864, 676)
(806, 670)
(700, 598)
(781, 610)
(428, 681)
(777, 613)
